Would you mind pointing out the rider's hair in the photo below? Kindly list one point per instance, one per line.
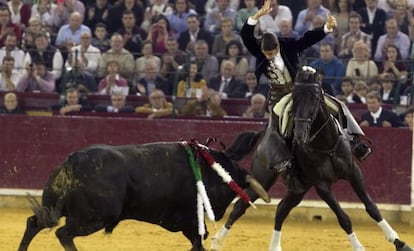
(269, 41)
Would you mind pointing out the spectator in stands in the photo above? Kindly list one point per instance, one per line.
(360, 92)
(212, 22)
(157, 107)
(409, 118)
(394, 64)
(313, 51)
(96, 13)
(101, 40)
(191, 83)
(147, 56)
(50, 55)
(392, 36)
(225, 83)
(223, 38)
(117, 53)
(11, 104)
(373, 22)
(354, 34)
(376, 116)
(361, 67)
(152, 80)
(178, 19)
(375, 84)
(87, 53)
(133, 35)
(212, 4)
(73, 102)
(234, 53)
(271, 21)
(207, 105)
(347, 88)
(306, 16)
(244, 13)
(8, 77)
(30, 33)
(113, 81)
(251, 86)
(333, 68)
(401, 13)
(286, 31)
(78, 77)
(257, 108)
(207, 64)
(36, 79)
(194, 33)
(6, 25)
(172, 59)
(43, 10)
(388, 92)
(70, 34)
(10, 49)
(62, 14)
(154, 11)
(20, 13)
(114, 18)
(342, 11)
(118, 104)
(158, 34)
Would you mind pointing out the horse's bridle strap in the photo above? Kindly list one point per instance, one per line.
(307, 84)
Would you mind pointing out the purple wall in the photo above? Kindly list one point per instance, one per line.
(31, 147)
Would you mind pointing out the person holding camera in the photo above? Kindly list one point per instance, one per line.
(36, 79)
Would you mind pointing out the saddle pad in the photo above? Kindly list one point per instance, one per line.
(284, 107)
(282, 110)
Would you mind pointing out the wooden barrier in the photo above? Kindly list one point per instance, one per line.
(31, 147)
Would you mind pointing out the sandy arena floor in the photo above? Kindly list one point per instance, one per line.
(249, 234)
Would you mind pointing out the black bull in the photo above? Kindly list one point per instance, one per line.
(97, 187)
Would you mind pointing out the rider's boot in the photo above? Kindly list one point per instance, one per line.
(359, 149)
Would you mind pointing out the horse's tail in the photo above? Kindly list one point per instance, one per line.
(243, 145)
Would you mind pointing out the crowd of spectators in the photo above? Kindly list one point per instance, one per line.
(192, 48)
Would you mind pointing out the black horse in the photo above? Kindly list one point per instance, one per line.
(321, 156)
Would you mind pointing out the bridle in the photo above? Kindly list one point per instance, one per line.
(314, 113)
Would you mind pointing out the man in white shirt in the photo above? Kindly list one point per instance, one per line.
(271, 21)
(10, 49)
(86, 52)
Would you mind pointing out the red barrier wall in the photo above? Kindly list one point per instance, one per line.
(32, 146)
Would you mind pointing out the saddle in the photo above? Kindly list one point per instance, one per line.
(283, 110)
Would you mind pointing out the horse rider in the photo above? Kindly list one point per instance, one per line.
(278, 60)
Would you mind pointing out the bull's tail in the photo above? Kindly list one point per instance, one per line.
(46, 217)
(243, 145)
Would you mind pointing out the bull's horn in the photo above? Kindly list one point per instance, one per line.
(257, 188)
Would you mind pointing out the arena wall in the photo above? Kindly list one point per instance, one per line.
(32, 146)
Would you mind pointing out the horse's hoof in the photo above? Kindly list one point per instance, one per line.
(216, 244)
(401, 246)
(277, 248)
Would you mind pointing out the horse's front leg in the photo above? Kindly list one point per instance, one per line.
(325, 192)
(291, 200)
(266, 178)
(358, 185)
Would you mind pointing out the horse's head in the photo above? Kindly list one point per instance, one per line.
(307, 97)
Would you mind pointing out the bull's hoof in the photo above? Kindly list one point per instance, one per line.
(401, 246)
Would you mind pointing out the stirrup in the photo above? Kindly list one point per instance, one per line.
(359, 149)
